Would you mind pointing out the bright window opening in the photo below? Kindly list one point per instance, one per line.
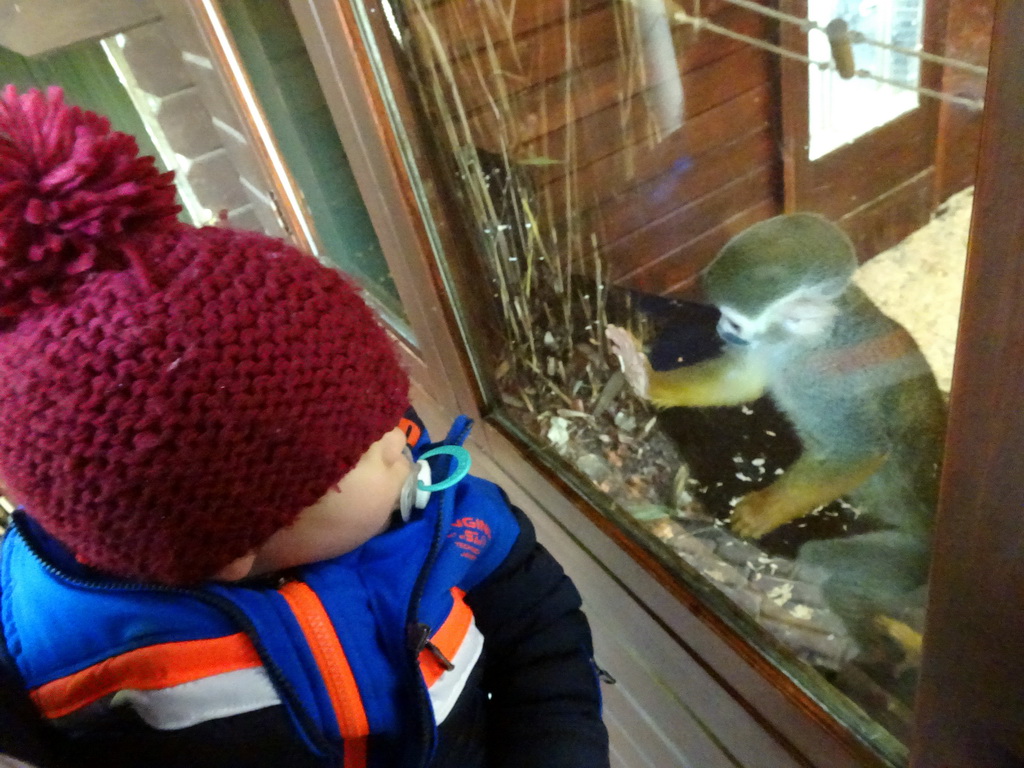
(842, 110)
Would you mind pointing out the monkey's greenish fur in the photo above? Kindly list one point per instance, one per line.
(777, 257)
(856, 388)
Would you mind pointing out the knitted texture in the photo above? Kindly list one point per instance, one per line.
(168, 407)
(73, 198)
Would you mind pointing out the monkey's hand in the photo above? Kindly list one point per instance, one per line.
(763, 511)
(811, 482)
(632, 360)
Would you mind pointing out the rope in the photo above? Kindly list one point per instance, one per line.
(699, 23)
(806, 25)
(974, 69)
(684, 18)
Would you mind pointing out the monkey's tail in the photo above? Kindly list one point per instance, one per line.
(870, 575)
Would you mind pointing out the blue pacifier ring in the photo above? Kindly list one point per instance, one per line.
(462, 458)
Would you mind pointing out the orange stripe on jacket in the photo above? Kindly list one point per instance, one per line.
(448, 638)
(334, 667)
(149, 668)
(412, 431)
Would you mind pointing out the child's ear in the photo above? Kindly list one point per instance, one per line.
(236, 569)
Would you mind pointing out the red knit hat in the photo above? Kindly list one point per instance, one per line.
(169, 396)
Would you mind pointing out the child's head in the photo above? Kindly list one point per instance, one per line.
(170, 397)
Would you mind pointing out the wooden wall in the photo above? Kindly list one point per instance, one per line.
(577, 103)
(968, 36)
(573, 97)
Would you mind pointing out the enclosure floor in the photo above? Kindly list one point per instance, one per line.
(919, 282)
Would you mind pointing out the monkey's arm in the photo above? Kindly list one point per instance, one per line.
(729, 379)
(809, 483)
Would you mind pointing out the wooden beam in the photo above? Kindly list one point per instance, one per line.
(35, 27)
(969, 709)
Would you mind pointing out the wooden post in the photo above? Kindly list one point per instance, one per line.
(970, 712)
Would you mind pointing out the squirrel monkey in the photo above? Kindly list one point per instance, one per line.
(852, 382)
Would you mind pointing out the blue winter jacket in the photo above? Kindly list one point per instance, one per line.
(452, 639)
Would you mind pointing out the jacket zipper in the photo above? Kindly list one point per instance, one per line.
(418, 633)
(335, 672)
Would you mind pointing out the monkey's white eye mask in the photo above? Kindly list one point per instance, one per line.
(804, 313)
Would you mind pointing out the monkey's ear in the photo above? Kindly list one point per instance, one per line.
(806, 314)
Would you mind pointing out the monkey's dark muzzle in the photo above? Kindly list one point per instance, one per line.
(732, 338)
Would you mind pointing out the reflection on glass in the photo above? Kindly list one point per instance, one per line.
(603, 154)
(282, 75)
(843, 109)
(145, 105)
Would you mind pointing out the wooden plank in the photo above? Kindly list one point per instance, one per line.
(853, 176)
(632, 165)
(665, 239)
(706, 47)
(466, 27)
(34, 27)
(968, 38)
(703, 90)
(677, 276)
(543, 111)
(469, 26)
(555, 104)
(709, 87)
(509, 66)
(794, 117)
(892, 217)
(683, 184)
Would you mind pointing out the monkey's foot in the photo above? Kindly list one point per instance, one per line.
(909, 639)
(759, 513)
(631, 359)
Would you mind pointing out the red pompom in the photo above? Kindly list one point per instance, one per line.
(75, 198)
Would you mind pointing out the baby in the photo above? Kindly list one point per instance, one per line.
(236, 544)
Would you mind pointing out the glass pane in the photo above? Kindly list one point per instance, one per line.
(775, 439)
(279, 68)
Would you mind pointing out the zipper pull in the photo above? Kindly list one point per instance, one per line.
(441, 658)
(418, 638)
(602, 674)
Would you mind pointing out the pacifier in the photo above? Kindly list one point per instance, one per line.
(417, 489)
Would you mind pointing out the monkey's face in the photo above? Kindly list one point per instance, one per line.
(736, 329)
(802, 314)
